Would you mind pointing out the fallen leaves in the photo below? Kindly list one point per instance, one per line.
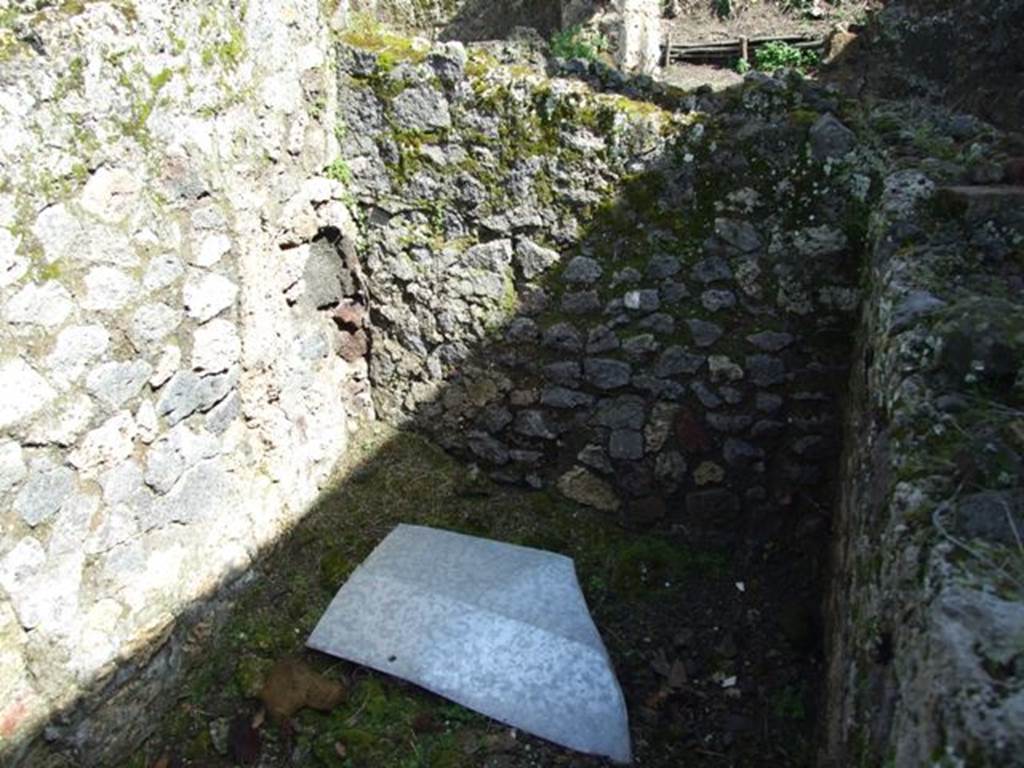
(675, 679)
(243, 741)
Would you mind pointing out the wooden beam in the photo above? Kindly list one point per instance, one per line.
(741, 47)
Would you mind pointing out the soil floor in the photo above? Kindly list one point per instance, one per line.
(699, 21)
(716, 648)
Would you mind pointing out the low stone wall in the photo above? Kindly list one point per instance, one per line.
(170, 396)
(981, 69)
(926, 611)
(649, 307)
(455, 19)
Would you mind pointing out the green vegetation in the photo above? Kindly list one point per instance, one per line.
(651, 563)
(778, 55)
(73, 80)
(44, 272)
(159, 80)
(229, 51)
(144, 101)
(391, 48)
(9, 43)
(479, 63)
(339, 171)
(788, 703)
(578, 43)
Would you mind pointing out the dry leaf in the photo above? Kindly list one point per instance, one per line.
(243, 741)
(677, 676)
(425, 722)
(660, 663)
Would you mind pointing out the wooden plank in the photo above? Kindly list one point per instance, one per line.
(698, 51)
(690, 46)
(792, 40)
(691, 52)
(782, 39)
(742, 47)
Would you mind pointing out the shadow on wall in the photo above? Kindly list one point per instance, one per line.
(483, 20)
(649, 310)
(981, 69)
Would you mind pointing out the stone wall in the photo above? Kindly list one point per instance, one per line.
(171, 397)
(926, 611)
(631, 29)
(649, 307)
(639, 40)
(455, 19)
(981, 69)
(647, 300)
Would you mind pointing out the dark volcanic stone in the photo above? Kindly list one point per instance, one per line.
(606, 374)
(704, 333)
(711, 269)
(987, 516)
(626, 412)
(770, 341)
(487, 448)
(582, 269)
(561, 397)
(626, 444)
(562, 336)
(580, 302)
(661, 266)
(739, 453)
(534, 424)
(601, 339)
(765, 370)
(676, 360)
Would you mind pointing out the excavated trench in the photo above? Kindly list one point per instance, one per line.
(621, 328)
(627, 322)
(707, 345)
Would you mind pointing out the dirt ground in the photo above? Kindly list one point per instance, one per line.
(698, 21)
(716, 648)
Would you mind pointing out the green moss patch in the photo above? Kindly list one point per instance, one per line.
(390, 47)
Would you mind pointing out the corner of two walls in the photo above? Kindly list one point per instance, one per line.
(173, 397)
(649, 308)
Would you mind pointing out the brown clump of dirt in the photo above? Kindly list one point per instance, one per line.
(292, 685)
